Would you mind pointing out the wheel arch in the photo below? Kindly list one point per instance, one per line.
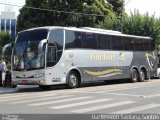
(78, 72)
(135, 67)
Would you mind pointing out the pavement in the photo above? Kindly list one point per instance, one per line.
(19, 88)
(7, 90)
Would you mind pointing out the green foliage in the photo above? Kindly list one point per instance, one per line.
(29, 18)
(142, 25)
(4, 39)
(110, 23)
(117, 6)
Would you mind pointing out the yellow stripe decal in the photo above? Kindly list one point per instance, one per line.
(102, 72)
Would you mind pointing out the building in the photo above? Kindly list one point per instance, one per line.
(8, 22)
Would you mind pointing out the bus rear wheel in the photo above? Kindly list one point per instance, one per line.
(134, 76)
(72, 80)
(142, 76)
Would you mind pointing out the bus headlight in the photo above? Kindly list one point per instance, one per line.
(42, 82)
(38, 75)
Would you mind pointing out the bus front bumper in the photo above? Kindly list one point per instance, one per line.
(28, 82)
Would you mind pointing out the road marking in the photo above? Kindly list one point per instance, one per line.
(136, 109)
(33, 100)
(80, 103)
(124, 88)
(23, 95)
(154, 95)
(124, 94)
(102, 107)
(117, 86)
(59, 101)
(13, 98)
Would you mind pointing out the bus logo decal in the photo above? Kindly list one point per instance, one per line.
(151, 59)
(122, 56)
(102, 57)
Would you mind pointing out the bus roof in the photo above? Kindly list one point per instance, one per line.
(89, 29)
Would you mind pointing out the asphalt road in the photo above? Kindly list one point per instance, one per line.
(96, 98)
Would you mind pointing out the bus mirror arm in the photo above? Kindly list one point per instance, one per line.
(4, 48)
(40, 46)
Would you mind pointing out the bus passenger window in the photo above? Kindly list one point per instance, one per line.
(89, 40)
(103, 41)
(73, 39)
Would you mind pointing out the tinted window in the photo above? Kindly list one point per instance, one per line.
(114, 43)
(138, 45)
(73, 39)
(8, 25)
(146, 44)
(103, 41)
(120, 45)
(13, 28)
(152, 45)
(51, 56)
(128, 43)
(56, 37)
(32, 35)
(89, 40)
(2, 24)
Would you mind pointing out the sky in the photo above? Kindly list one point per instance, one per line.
(150, 6)
(14, 2)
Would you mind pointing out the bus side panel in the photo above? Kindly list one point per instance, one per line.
(98, 64)
(147, 60)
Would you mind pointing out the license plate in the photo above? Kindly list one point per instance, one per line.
(24, 82)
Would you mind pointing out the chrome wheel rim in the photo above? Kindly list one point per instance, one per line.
(73, 80)
(142, 75)
(135, 76)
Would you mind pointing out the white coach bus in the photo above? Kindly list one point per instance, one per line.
(48, 56)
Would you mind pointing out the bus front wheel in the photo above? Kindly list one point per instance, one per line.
(134, 75)
(72, 80)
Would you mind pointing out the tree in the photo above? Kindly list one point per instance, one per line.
(110, 23)
(4, 39)
(77, 13)
(117, 6)
(142, 25)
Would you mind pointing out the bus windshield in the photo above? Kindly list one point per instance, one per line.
(26, 55)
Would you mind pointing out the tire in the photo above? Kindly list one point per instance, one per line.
(142, 76)
(44, 87)
(13, 86)
(158, 76)
(134, 76)
(72, 80)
